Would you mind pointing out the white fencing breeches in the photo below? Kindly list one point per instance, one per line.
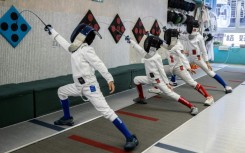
(204, 67)
(185, 75)
(96, 98)
(162, 86)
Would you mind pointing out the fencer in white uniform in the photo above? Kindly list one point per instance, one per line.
(155, 73)
(179, 64)
(84, 61)
(198, 53)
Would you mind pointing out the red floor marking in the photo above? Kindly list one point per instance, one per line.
(157, 97)
(234, 72)
(137, 115)
(97, 144)
(235, 80)
(209, 86)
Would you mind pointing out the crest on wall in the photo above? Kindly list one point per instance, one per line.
(155, 29)
(138, 30)
(116, 28)
(90, 20)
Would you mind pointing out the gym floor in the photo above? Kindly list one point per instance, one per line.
(219, 128)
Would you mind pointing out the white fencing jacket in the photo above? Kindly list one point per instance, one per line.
(195, 46)
(176, 58)
(152, 65)
(84, 62)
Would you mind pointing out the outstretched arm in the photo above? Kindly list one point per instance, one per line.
(137, 47)
(57, 37)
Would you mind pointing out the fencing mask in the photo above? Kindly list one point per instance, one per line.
(152, 42)
(169, 34)
(192, 27)
(209, 37)
(82, 34)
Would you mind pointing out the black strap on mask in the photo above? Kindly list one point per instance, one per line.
(170, 33)
(152, 41)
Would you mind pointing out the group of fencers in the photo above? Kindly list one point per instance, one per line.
(84, 62)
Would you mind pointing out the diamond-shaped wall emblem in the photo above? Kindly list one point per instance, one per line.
(90, 20)
(155, 29)
(13, 27)
(138, 30)
(116, 28)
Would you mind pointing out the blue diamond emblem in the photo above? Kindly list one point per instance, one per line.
(13, 27)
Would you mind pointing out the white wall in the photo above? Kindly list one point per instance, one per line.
(36, 58)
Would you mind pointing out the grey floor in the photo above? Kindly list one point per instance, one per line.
(219, 128)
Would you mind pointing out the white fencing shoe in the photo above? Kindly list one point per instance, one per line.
(194, 110)
(155, 91)
(209, 101)
(228, 89)
(173, 83)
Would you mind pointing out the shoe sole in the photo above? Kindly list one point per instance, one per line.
(207, 104)
(158, 93)
(132, 148)
(140, 102)
(68, 124)
(228, 91)
(174, 84)
(194, 114)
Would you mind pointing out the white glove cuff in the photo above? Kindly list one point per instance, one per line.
(54, 33)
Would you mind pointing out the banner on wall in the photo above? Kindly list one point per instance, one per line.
(235, 39)
(222, 2)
